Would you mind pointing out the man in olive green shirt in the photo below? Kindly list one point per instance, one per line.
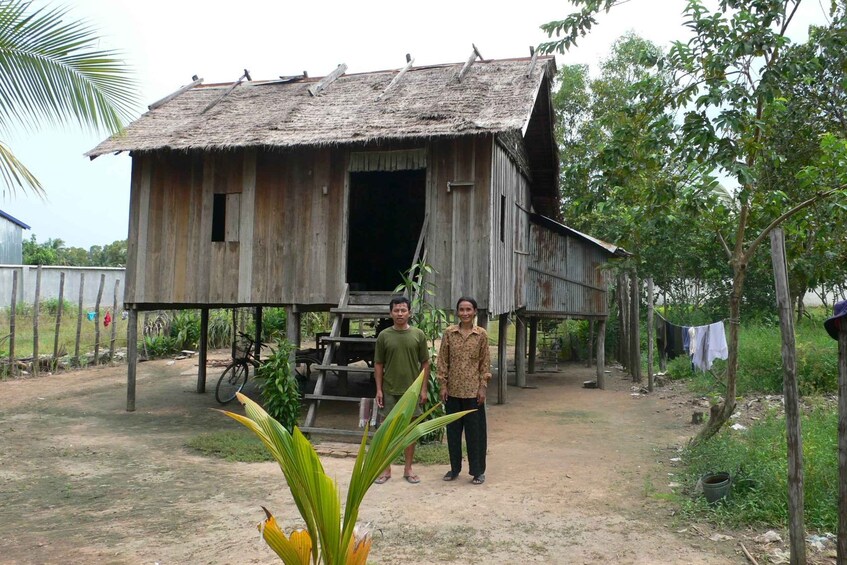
(401, 354)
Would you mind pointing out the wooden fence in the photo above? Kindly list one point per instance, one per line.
(96, 315)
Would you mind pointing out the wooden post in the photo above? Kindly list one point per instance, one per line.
(503, 328)
(533, 344)
(635, 331)
(36, 306)
(623, 322)
(590, 342)
(12, 368)
(79, 318)
(204, 347)
(131, 357)
(482, 319)
(59, 309)
(114, 335)
(651, 334)
(292, 327)
(234, 330)
(841, 551)
(601, 354)
(97, 320)
(520, 351)
(258, 323)
(792, 400)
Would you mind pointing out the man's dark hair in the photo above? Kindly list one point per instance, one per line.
(467, 299)
(399, 300)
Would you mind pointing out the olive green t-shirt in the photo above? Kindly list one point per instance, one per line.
(401, 352)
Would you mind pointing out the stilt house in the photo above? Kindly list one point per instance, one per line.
(305, 193)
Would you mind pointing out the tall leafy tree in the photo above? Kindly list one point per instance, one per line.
(726, 78)
(52, 72)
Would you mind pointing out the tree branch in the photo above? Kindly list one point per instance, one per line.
(806, 203)
(725, 246)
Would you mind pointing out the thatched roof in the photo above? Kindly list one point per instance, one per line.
(427, 102)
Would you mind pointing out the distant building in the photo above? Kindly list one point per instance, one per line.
(11, 239)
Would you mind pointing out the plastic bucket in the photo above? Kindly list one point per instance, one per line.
(715, 486)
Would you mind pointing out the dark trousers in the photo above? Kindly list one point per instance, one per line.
(476, 435)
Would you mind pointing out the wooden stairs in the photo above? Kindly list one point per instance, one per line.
(338, 348)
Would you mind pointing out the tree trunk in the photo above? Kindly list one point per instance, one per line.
(720, 413)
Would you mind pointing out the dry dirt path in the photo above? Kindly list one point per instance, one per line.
(570, 476)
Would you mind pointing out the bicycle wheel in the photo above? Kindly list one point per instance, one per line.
(231, 382)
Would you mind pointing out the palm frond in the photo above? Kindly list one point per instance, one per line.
(14, 174)
(52, 72)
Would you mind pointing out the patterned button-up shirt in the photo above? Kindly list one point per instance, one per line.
(464, 363)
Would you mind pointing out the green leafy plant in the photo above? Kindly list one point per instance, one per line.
(280, 391)
(332, 537)
(185, 328)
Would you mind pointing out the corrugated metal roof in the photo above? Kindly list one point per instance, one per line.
(610, 248)
(13, 219)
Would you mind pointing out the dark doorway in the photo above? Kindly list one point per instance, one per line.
(386, 215)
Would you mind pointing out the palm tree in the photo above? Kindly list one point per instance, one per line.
(51, 73)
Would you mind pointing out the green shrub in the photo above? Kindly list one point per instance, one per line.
(273, 324)
(185, 329)
(159, 345)
(51, 306)
(757, 461)
(279, 388)
(220, 329)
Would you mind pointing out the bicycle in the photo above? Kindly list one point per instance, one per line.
(236, 373)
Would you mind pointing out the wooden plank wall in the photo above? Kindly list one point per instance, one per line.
(284, 228)
(509, 189)
(459, 220)
(286, 235)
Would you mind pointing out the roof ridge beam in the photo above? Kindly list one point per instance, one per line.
(534, 52)
(473, 57)
(211, 105)
(322, 85)
(409, 62)
(162, 101)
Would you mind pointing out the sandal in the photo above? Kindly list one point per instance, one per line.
(381, 479)
(478, 480)
(413, 479)
(450, 476)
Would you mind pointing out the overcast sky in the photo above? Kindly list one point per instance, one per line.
(167, 42)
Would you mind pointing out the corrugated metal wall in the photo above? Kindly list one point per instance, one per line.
(564, 275)
(11, 239)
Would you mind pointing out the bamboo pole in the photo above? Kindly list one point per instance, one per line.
(59, 310)
(796, 528)
(79, 318)
(651, 337)
(36, 306)
(623, 320)
(97, 320)
(12, 315)
(114, 336)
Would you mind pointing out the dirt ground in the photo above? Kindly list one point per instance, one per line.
(573, 477)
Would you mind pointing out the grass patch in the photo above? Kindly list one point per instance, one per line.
(757, 461)
(240, 446)
(428, 454)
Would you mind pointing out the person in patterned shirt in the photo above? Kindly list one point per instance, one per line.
(464, 369)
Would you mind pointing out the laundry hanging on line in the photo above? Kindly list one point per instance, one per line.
(669, 338)
(707, 344)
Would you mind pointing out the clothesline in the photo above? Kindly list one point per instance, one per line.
(703, 344)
